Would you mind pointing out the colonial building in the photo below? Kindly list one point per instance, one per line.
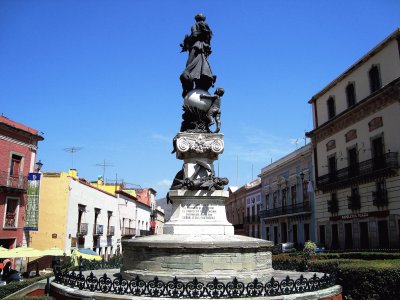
(355, 150)
(235, 208)
(253, 207)
(18, 147)
(288, 208)
(75, 214)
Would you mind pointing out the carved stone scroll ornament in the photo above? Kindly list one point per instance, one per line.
(200, 144)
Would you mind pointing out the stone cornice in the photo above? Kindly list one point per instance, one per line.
(368, 106)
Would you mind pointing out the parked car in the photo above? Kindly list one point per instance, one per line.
(320, 248)
(283, 248)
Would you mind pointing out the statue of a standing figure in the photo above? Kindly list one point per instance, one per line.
(197, 73)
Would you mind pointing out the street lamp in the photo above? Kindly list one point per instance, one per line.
(302, 176)
(39, 165)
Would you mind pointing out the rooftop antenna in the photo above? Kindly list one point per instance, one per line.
(72, 150)
(104, 165)
(297, 142)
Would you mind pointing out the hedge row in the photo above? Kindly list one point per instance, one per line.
(13, 287)
(360, 279)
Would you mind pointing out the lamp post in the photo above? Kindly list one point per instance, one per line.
(39, 166)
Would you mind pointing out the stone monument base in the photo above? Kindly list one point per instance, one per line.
(197, 256)
(198, 212)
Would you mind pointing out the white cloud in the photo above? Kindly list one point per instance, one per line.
(161, 137)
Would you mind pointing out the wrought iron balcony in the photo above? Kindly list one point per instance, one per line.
(83, 229)
(111, 230)
(354, 202)
(333, 206)
(13, 182)
(127, 231)
(303, 207)
(380, 198)
(145, 232)
(365, 171)
(10, 221)
(98, 229)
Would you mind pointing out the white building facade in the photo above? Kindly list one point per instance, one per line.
(93, 219)
(287, 213)
(355, 151)
(253, 208)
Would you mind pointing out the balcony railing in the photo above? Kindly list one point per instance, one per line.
(380, 198)
(127, 231)
(364, 171)
(354, 202)
(111, 230)
(286, 210)
(98, 229)
(10, 221)
(13, 182)
(145, 232)
(333, 206)
(83, 229)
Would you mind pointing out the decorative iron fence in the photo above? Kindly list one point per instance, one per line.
(192, 289)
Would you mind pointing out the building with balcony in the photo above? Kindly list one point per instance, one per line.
(18, 148)
(287, 212)
(252, 222)
(235, 208)
(75, 214)
(135, 204)
(355, 144)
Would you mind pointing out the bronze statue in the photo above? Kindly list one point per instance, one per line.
(214, 112)
(197, 73)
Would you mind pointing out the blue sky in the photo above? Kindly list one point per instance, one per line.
(104, 76)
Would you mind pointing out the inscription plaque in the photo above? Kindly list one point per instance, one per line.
(198, 212)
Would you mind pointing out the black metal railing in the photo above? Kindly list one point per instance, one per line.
(354, 202)
(18, 182)
(10, 221)
(98, 229)
(366, 170)
(111, 230)
(380, 198)
(83, 229)
(303, 207)
(145, 232)
(333, 206)
(192, 289)
(128, 231)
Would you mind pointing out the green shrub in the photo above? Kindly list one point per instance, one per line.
(13, 287)
(359, 255)
(360, 279)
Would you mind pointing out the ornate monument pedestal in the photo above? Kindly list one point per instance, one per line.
(198, 212)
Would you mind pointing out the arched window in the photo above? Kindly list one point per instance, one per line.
(331, 107)
(351, 94)
(374, 78)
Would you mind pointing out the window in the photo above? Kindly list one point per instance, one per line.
(379, 197)
(258, 212)
(378, 153)
(335, 237)
(383, 234)
(293, 194)
(15, 165)
(267, 201)
(352, 158)
(331, 108)
(350, 94)
(364, 238)
(348, 236)
(275, 199)
(333, 206)
(284, 197)
(306, 232)
(354, 199)
(374, 78)
(295, 234)
(11, 212)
